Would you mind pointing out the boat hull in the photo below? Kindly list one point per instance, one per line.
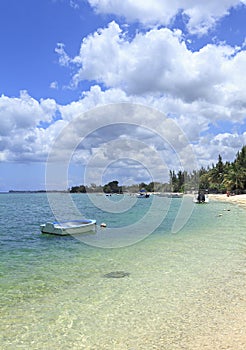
(145, 195)
(205, 201)
(68, 227)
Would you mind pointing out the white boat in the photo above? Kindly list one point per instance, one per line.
(68, 227)
(142, 193)
(201, 198)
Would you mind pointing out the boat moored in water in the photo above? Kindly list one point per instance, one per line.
(68, 227)
(142, 195)
(201, 198)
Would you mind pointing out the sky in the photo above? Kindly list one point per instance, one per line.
(103, 90)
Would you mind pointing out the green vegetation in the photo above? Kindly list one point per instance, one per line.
(112, 187)
(78, 189)
(219, 178)
(227, 176)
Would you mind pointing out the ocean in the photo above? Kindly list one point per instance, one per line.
(179, 290)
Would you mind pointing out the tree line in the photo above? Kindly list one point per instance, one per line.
(228, 176)
(217, 178)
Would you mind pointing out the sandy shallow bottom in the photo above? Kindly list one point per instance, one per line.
(184, 290)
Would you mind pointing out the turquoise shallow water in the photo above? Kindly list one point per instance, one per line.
(184, 291)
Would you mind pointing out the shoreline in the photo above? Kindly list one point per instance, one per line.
(239, 199)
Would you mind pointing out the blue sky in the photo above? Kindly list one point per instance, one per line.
(61, 59)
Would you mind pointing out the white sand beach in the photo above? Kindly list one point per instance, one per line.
(237, 199)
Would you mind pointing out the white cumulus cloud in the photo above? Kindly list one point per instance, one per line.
(159, 63)
(200, 15)
(24, 112)
(21, 136)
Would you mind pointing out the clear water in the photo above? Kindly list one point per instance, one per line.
(184, 291)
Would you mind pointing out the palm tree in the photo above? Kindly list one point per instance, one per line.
(234, 179)
(216, 175)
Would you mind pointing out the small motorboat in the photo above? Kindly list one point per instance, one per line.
(201, 198)
(143, 193)
(68, 227)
